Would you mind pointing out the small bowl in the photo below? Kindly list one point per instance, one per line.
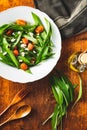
(44, 68)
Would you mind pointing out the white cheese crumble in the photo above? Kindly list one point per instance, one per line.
(23, 45)
(19, 32)
(13, 39)
(22, 53)
(20, 60)
(4, 53)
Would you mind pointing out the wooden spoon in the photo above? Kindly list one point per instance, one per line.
(19, 113)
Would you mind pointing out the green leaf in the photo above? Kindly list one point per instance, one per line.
(39, 22)
(10, 53)
(3, 28)
(55, 119)
(25, 60)
(36, 19)
(6, 59)
(16, 27)
(47, 119)
(28, 71)
(58, 82)
(80, 91)
(48, 30)
(34, 40)
(68, 84)
(18, 40)
(57, 92)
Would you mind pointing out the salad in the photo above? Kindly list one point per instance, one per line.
(23, 44)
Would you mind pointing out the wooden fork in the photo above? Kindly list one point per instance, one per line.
(18, 97)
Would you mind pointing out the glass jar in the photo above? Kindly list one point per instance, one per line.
(78, 61)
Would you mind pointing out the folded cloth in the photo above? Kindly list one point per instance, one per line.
(69, 15)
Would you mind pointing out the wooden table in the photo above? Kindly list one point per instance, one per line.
(40, 97)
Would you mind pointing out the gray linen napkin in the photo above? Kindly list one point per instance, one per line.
(69, 15)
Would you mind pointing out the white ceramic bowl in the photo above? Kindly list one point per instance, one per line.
(41, 70)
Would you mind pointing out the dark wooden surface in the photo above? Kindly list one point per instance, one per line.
(40, 97)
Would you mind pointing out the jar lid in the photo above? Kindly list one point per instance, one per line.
(82, 59)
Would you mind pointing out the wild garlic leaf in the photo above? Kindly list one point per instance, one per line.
(80, 91)
(55, 119)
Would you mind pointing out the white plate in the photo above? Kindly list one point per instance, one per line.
(42, 69)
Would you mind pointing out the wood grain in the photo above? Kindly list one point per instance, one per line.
(40, 97)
